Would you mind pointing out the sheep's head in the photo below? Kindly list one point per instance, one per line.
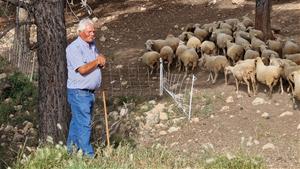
(148, 45)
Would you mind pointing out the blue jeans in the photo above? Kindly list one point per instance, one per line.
(81, 102)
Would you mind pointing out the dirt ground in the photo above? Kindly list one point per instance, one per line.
(130, 23)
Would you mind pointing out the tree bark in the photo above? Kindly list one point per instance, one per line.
(262, 17)
(51, 39)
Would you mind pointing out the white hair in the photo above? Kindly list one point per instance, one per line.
(83, 24)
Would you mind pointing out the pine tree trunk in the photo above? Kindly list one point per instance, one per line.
(51, 39)
(262, 17)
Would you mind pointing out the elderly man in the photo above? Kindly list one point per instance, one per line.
(84, 77)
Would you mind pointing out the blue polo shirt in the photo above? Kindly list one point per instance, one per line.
(78, 54)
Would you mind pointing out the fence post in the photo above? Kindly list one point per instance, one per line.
(191, 97)
(161, 80)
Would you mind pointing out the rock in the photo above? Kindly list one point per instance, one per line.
(265, 115)
(152, 118)
(18, 107)
(153, 102)
(239, 96)
(230, 156)
(123, 112)
(161, 133)
(144, 107)
(11, 116)
(210, 160)
(195, 120)
(18, 137)
(238, 2)
(177, 120)
(258, 101)
(3, 76)
(287, 113)
(163, 116)
(176, 26)
(114, 115)
(268, 146)
(8, 100)
(28, 126)
(224, 108)
(229, 99)
(256, 142)
(8, 128)
(173, 129)
(95, 19)
(298, 127)
(211, 2)
(102, 39)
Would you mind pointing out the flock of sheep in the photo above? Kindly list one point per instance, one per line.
(230, 46)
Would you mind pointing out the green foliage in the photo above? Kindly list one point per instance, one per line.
(125, 156)
(239, 162)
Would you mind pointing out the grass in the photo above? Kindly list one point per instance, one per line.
(125, 156)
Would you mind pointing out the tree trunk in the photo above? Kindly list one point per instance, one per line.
(262, 17)
(51, 39)
(21, 39)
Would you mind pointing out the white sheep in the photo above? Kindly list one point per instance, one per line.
(188, 57)
(275, 45)
(243, 72)
(166, 53)
(268, 75)
(201, 34)
(256, 33)
(295, 77)
(172, 41)
(256, 43)
(241, 41)
(234, 52)
(214, 64)
(151, 59)
(222, 39)
(247, 21)
(193, 42)
(155, 45)
(208, 47)
(232, 21)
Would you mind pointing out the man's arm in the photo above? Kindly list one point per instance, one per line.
(89, 67)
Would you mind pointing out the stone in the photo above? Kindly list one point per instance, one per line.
(102, 39)
(153, 102)
(3, 76)
(265, 115)
(161, 133)
(286, 113)
(8, 128)
(229, 99)
(224, 108)
(195, 120)
(298, 127)
(268, 146)
(152, 118)
(163, 116)
(173, 129)
(258, 101)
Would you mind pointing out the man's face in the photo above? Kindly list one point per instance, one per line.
(88, 34)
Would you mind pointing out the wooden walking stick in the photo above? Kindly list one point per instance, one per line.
(106, 120)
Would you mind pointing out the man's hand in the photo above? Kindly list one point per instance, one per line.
(101, 60)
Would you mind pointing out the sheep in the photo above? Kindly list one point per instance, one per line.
(181, 48)
(150, 59)
(251, 54)
(201, 34)
(256, 43)
(256, 33)
(247, 21)
(294, 57)
(224, 25)
(234, 51)
(290, 48)
(193, 42)
(208, 47)
(187, 57)
(172, 41)
(166, 53)
(222, 39)
(241, 41)
(268, 75)
(275, 45)
(155, 45)
(184, 36)
(242, 34)
(210, 26)
(214, 64)
(267, 53)
(287, 70)
(239, 26)
(243, 72)
(295, 77)
(232, 21)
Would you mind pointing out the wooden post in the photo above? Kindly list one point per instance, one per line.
(106, 120)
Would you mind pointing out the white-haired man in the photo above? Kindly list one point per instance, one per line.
(84, 77)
